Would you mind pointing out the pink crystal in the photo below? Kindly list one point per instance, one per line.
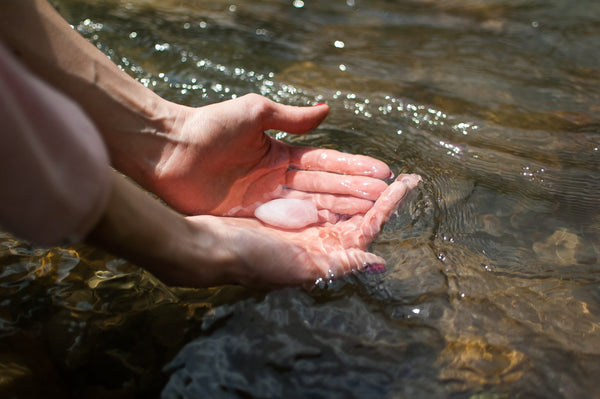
(287, 213)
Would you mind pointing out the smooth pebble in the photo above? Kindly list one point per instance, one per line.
(287, 213)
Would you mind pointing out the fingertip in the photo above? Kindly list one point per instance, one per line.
(373, 264)
(410, 180)
(352, 260)
(296, 119)
(322, 110)
(382, 171)
(374, 268)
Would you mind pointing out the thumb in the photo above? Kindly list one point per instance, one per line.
(385, 205)
(295, 120)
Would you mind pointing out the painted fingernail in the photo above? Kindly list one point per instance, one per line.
(374, 268)
(319, 104)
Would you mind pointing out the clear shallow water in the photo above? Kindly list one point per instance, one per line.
(492, 289)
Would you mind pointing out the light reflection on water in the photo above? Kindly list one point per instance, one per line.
(492, 285)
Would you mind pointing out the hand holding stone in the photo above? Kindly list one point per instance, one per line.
(219, 161)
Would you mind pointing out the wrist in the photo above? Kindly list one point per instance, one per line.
(141, 229)
(139, 148)
(202, 256)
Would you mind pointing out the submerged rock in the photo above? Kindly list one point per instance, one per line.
(565, 248)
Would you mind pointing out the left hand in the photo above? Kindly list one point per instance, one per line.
(219, 161)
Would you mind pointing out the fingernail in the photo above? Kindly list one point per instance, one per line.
(374, 268)
(316, 105)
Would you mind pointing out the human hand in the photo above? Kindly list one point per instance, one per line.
(266, 256)
(219, 161)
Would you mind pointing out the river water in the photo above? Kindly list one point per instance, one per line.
(492, 286)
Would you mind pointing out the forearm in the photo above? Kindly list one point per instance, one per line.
(141, 229)
(131, 118)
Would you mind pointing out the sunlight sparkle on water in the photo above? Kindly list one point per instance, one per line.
(162, 46)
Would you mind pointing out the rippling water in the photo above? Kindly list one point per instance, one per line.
(492, 289)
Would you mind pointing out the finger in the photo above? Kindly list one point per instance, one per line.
(341, 204)
(295, 120)
(387, 203)
(350, 261)
(338, 162)
(331, 183)
(326, 216)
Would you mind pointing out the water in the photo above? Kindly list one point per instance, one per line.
(492, 285)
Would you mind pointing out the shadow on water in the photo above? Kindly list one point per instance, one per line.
(491, 289)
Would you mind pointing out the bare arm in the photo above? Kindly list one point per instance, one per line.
(141, 229)
(120, 107)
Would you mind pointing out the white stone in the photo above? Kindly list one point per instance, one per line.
(287, 213)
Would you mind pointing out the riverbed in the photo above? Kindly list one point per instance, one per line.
(492, 285)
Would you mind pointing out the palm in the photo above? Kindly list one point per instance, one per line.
(283, 257)
(223, 163)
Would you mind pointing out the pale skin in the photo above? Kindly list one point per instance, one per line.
(211, 163)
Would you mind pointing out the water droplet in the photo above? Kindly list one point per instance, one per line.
(320, 282)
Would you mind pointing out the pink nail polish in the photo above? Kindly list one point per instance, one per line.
(374, 268)
(316, 105)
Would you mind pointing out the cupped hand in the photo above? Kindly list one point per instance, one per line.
(273, 257)
(219, 161)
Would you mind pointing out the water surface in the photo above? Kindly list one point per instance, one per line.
(492, 286)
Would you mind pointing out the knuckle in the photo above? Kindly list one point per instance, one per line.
(259, 107)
